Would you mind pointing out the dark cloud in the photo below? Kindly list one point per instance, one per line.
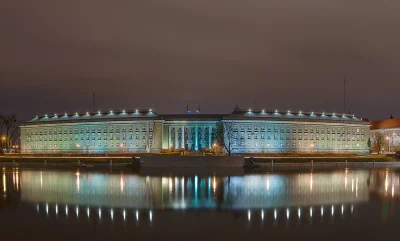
(165, 54)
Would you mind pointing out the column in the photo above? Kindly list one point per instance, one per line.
(209, 137)
(183, 136)
(196, 138)
(169, 138)
(176, 137)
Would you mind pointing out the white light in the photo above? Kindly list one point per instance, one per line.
(98, 112)
(76, 113)
(322, 211)
(77, 211)
(150, 110)
(287, 213)
(124, 214)
(111, 111)
(351, 209)
(288, 111)
(65, 114)
(88, 212)
(263, 110)
(275, 214)
(151, 216)
(312, 113)
(66, 210)
(299, 212)
(249, 110)
(342, 209)
(87, 113)
(37, 207)
(55, 115)
(311, 212)
(333, 114)
(323, 113)
(300, 112)
(137, 215)
(248, 215)
(332, 210)
(56, 209)
(112, 214)
(99, 213)
(45, 115)
(262, 215)
(123, 111)
(276, 111)
(136, 110)
(47, 208)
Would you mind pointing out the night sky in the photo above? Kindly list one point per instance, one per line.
(165, 54)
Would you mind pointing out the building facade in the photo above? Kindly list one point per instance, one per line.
(248, 131)
(385, 135)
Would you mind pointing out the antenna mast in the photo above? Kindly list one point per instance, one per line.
(344, 95)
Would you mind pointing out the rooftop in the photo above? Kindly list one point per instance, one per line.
(385, 124)
(237, 114)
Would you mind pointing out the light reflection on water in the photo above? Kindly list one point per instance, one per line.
(265, 197)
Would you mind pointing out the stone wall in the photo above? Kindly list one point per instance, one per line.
(192, 161)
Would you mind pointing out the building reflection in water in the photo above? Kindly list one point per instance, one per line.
(264, 197)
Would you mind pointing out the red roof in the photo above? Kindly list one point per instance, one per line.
(385, 124)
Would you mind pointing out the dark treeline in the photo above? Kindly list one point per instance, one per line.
(9, 133)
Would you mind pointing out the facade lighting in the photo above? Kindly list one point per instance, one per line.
(300, 112)
(87, 113)
(76, 113)
(312, 113)
(55, 114)
(99, 112)
(45, 115)
(123, 111)
(111, 111)
(150, 110)
(65, 115)
(136, 111)
(276, 111)
(288, 111)
(263, 111)
(323, 113)
(249, 110)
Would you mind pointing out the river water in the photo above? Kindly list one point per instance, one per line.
(345, 204)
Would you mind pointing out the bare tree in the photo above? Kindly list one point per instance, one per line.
(378, 141)
(9, 132)
(226, 136)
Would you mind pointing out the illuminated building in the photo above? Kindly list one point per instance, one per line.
(385, 133)
(139, 131)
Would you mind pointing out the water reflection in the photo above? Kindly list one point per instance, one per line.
(267, 197)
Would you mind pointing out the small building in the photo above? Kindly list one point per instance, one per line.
(385, 135)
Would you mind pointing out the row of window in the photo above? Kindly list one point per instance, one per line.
(300, 136)
(93, 136)
(93, 144)
(300, 128)
(88, 128)
(297, 145)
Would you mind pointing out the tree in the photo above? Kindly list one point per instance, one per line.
(9, 132)
(226, 136)
(378, 141)
(369, 143)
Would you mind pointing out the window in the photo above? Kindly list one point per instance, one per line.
(143, 127)
(300, 128)
(300, 137)
(294, 144)
(130, 128)
(281, 136)
(111, 136)
(294, 128)
(111, 128)
(262, 136)
(249, 136)
(288, 128)
(281, 128)
(275, 136)
(87, 128)
(262, 128)
(124, 128)
(255, 128)
(242, 127)
(117, 128)
(255, 136)
(327, 137)
(130, 136)
(144, 136)
(249, 128)
(287, 136)
(93, 128)
(275, 128)
(105, 136)
(306, 136)
(312, 128)
(322, 136)
(316, 137)
(305, 128)
(93, 137)
(117, 136)
(99, 136)
(317, 129)
(294, 136)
